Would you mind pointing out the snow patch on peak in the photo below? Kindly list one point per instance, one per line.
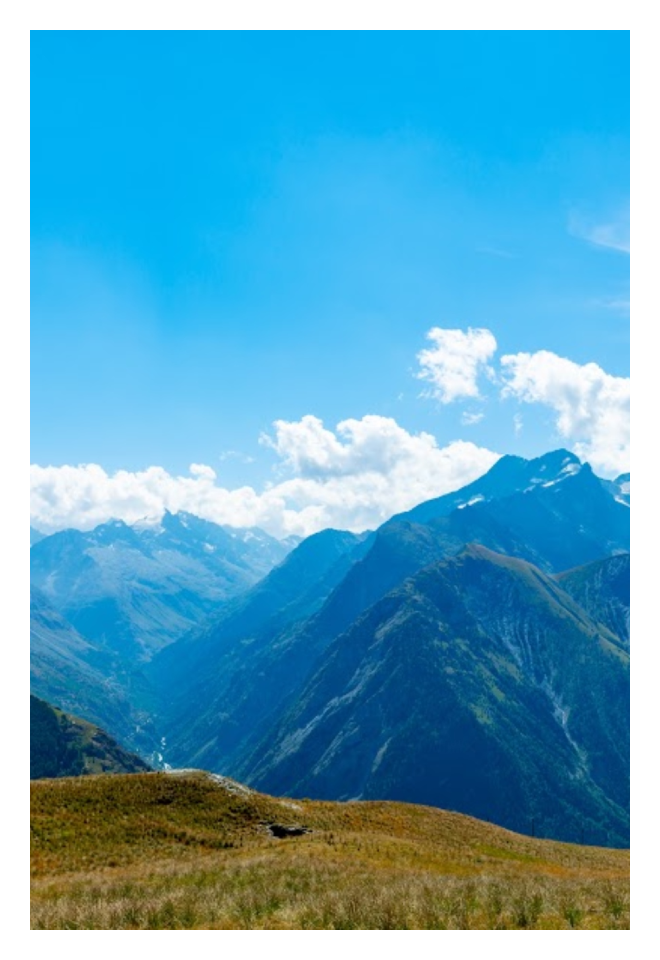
(152, 524)
(471, 502)
(569, 470)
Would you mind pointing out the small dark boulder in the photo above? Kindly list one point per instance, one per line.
(282, 831)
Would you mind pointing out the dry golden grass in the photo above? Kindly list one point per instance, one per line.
(157, 851)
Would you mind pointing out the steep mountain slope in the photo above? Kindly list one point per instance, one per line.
(209, 678)
(66, 746)
(603, 589)
(87, 680)
(477, 685)
(136, 589)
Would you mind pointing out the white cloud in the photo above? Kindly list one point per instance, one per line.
(517, 423)
(202, 470)
(236, 455)
(469, 419)
(453, 365)
(592, 407)
(354, 478)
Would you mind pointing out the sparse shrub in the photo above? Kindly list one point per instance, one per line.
(494, 905)
(572, 914)
(527, 910)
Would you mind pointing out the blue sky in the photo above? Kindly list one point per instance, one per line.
(232, 229)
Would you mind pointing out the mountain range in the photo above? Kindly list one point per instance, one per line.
(471, 653)
(137, 588)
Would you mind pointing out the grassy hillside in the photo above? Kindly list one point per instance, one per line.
(66, 746)
(189, 851)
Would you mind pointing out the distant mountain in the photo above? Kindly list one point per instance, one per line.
(134, 589)
(83, 678)
(603, 589)
(66, 746)
(477, 685)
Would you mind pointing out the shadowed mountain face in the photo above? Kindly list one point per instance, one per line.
(65, 746)
(603, 589)
(478, 685)
(136, 589)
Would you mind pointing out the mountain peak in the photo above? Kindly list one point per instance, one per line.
(556, 459)
(509, 475)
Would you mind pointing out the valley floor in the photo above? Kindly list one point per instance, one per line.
(189, 851)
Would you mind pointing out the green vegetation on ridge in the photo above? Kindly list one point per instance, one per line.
(66, 746)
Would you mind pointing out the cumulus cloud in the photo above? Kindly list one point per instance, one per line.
(371, 445)
(354, 477)
(202, 470)
(453, 364)
(592, 407)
